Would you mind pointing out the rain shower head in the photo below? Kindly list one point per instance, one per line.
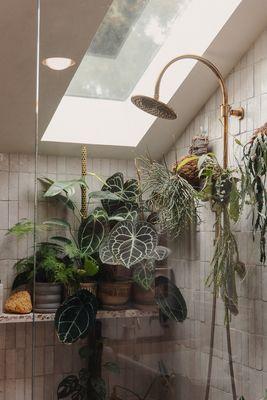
(153, 106)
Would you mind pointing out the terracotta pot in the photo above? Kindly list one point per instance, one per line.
(114, 293)
(144, 299)
(142, 296)
(48, 297)
(90, 286)
(117, 272)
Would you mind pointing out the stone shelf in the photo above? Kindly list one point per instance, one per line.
(101, 314)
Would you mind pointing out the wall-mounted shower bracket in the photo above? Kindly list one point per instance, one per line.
(238, 112)
(227, 111)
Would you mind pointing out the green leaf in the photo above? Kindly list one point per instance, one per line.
(127, 192)
(144, 274)
(69, 386)
(128, 212)
(170, 300)
(46, 182)
(62, 223)
(92, 231)
(76, 316)
(131, 242)
(160, 253)
(103, 195)
(67, 187)
(234, 202)
(105, 255)
(62, 239)
(238, 142)
(90, 266)
(22, 278)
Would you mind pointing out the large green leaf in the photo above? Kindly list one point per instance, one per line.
(67, 187)
(46, 182)
(144, 274)
(128, 212)
(169, 299)
(76, 316)
(131, 242)
(103, 195)
(92, 231)
(127, 192)
(58, 222)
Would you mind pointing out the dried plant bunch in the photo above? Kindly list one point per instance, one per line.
(221, 190)
(254, 174)
(170, 195)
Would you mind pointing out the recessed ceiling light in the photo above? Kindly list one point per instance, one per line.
(58, 63)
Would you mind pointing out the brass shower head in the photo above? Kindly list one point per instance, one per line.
(153, 106)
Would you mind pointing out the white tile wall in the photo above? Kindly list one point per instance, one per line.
(247, 85)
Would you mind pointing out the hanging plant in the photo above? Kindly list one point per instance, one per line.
(254, 175)
(220, 188)
(171, 196)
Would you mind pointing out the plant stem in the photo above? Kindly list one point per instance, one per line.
(212, 333)
(230, 357)
(213, 315)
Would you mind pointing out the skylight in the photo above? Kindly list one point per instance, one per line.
(97, 108)
(127, 40)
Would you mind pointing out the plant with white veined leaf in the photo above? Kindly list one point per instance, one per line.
(131, 242)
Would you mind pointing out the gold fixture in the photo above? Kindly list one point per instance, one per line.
(83, 188)
(153, 106)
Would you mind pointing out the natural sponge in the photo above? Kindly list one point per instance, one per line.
(19, 303)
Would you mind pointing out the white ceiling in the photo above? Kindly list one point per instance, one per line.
(67, 28)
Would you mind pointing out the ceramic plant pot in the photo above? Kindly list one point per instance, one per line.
(117, 272)
(114, 294)
(48, 297)
(90, 286)
(143, 299)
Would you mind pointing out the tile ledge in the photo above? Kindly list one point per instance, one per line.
(101, 314)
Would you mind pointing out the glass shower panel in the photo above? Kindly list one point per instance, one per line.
(17, 196)
(105, 340)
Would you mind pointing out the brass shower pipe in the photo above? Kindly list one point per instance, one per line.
(157, 108)
(83, 188)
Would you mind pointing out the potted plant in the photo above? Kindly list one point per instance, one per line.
(52, 272)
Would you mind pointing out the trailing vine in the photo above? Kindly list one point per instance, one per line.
(253, 177)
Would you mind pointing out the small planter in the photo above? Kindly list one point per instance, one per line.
(114, 294)
(90, 286)
(48, 297)
(117, 272)
(144, 299)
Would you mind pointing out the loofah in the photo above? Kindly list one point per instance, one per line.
(19, 303)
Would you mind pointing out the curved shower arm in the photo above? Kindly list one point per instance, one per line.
(203, 60)
(226, 110)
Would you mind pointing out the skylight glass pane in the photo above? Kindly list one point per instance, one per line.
(127, 40)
